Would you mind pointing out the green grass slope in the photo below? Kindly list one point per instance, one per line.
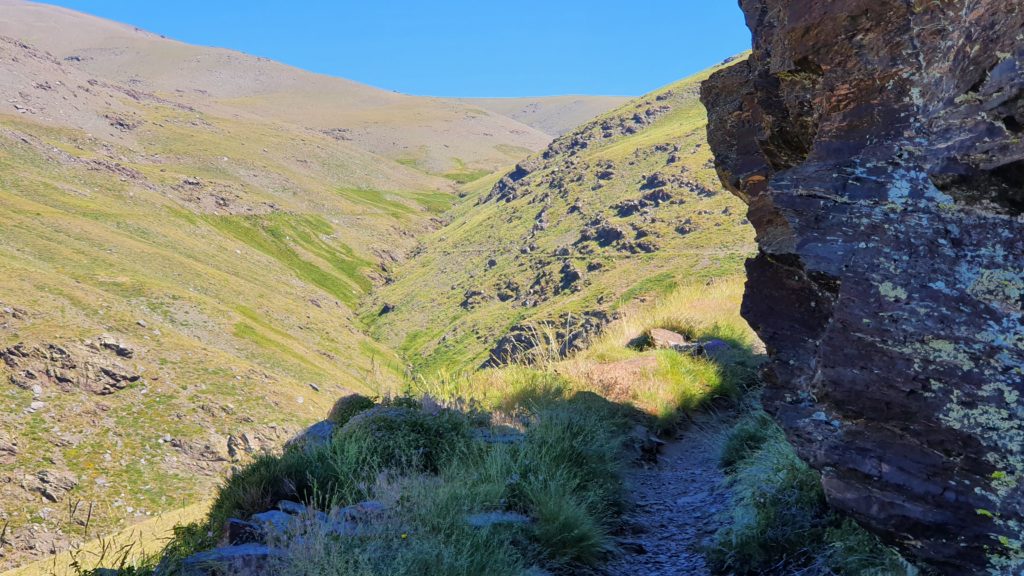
(624, 207)
(227, 253)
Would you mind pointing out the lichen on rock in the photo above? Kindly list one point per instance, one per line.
(878, 146)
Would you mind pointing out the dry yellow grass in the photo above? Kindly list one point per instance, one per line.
(138, 541)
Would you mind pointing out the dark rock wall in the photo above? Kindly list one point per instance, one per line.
(878, 145)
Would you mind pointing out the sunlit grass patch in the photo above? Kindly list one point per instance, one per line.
(780, 522)
(305, 244)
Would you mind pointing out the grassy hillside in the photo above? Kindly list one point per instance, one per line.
(625, 207)
(176, 294)
(430, 462)
(542, 452)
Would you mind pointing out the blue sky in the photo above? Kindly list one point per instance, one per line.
(461, 47)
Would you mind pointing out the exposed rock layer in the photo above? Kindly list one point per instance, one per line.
(878, 145)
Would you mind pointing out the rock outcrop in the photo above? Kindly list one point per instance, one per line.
(878, 145)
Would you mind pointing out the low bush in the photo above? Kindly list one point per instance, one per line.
(403, 437)
(348, 406)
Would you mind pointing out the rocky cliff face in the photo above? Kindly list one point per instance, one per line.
(878, 145)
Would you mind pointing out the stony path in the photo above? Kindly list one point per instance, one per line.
(675, 507)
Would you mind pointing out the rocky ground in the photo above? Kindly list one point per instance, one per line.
(675, 506)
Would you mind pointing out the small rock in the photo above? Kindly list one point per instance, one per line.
(109, 343)
(715, 348)
(314, 387)
(241, 532)
(633, 546)
(362, 511)
(273, 520)
(289, 507)
(248, 559)
(54, 484)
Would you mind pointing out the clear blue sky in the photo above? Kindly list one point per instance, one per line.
(460, 47)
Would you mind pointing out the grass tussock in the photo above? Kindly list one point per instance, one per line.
(780, 522)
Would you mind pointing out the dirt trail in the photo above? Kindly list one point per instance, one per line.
(675, 506)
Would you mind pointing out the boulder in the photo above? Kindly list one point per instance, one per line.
(314, 437)
(527, 343)
(273, 521)
(54, 484)
(878, 146)
(238, 532)
(661, 338)
(362, 511)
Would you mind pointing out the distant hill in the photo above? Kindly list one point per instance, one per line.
(432, 134)
(553, 115)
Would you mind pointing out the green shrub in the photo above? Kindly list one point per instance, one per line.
(260, 485)
(581, 441)
(433, 472)
(853, 550)
(779, 512)
(348, 406)
(531, 390)
(407, 437)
